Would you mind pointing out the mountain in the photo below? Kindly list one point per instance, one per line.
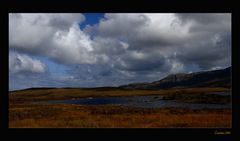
(215, 78)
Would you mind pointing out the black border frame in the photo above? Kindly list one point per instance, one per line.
(114, 6)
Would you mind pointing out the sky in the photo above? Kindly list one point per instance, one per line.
(112, 49)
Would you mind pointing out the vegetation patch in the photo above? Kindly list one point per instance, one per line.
(199, 98)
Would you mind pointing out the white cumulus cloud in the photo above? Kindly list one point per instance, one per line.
(19, 63)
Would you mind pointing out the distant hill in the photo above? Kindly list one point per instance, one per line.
(215, 78)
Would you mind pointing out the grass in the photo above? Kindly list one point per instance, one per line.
(114, 116)
(24, 114)
(199, 98)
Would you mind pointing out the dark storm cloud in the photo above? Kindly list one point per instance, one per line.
(118, 25)
(200, 39)
(139, 61)
(205, 18)
(206, 56)
(109, 46)
(210, 45)
(204, 22)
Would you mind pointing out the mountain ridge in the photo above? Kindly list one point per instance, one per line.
(213, 78)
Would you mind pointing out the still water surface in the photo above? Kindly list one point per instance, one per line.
(139, 101)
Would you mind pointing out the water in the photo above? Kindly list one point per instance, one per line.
(139, 101)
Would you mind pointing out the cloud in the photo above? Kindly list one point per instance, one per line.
(122, 47)
(205, 18)
(157, 36)
(19, 63)
(139, 61)
(28, 30)
(56, 36)
(71, 47)
(184, 39)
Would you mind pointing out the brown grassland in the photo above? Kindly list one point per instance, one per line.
(22, 113)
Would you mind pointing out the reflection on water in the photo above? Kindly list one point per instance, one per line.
(139, 101)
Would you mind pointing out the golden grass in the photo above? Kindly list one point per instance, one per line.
(76, 116)
(24, 114)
